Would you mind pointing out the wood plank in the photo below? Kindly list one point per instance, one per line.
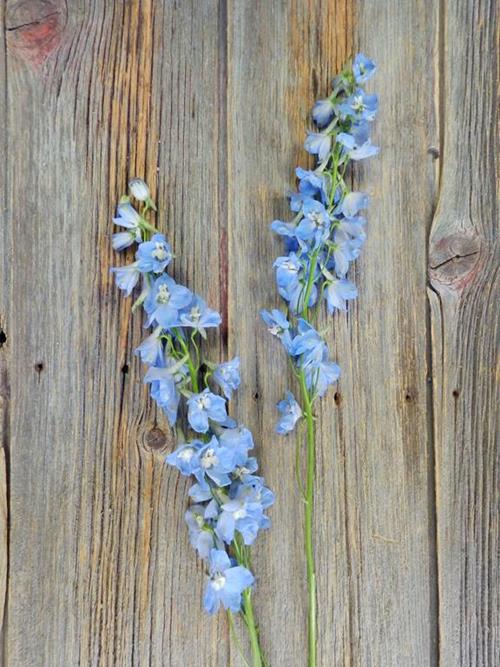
(384, 493)
(385, 397)
(101, 572)
(464, 297)
(374, 519)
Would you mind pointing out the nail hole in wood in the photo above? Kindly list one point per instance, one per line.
(3, 338)
(39, 366)
(408, 397)
(256, 396)
(434, 152)
(337, 398)
(125, 369)
(456, 393)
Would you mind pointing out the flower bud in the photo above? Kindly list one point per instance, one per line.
(139, 189)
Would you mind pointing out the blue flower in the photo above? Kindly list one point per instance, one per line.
(323, 112)
(243, 513)
(126, 277)
(163, 382)
(227, 376)
(129, 218)
(154, 255)
(165, 300)
(306, 340)
(359, 106)
(226, 583)
(205, 406)
(278, 325)
(216, 461)
(319, 143)
(186, 458)
(295, 294)
(151, 349)
(291, 412)
(353, 202)
(315, 225)
(363, 68)
(139, 189)
(200, 532)
(284, 228)
(288, 270)
(357, 144)
(238, 440)
(311, 184)
(346, 250)
(338, 292)
(320, 372)
(197, 315)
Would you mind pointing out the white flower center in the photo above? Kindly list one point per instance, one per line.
(240, 471)
(195, 313)
(316, 218)
(357, 103)
(187, 454)
(203, 402)
(290, 266)
(160, 252)
(199, 520)
(163, 294)
(275, 330)
(209, 459)
(218, 581)
(240, 514)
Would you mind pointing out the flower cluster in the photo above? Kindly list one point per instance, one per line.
(326, 234)
(228, 499)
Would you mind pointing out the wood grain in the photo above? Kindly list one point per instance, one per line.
(464, 298)
(209, 102)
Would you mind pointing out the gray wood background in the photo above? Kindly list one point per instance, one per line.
(208, 101)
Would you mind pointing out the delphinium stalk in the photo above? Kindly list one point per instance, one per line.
(324, 236)
(228, 500)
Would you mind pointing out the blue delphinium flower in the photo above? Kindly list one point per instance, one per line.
(129, 218)
(278, 326)
(227, 376)
(363, 68)
(154, 255)
(319, 143)
(226, 583)
(314, 227)
(323, 237)
(198, 316)
(290, 411)
(205, 406)
(338, 292)
(164, 301)
(126, 277)
(230, 500)
(200, 529)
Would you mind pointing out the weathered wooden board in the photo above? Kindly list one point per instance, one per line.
(464, 297)
(208, 100)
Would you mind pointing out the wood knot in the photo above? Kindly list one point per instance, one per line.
(155, 439)
(34, 28)
(454, 259)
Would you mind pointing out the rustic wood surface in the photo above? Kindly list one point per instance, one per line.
(208, 101)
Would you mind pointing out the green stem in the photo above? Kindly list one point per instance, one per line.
(310, 283)
(253, 633)
(309, 502)
(242, 556)
(193, 369)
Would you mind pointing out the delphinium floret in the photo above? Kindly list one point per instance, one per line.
(228, 500)
(324, 236)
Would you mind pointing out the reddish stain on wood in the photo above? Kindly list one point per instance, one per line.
(34, 29)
